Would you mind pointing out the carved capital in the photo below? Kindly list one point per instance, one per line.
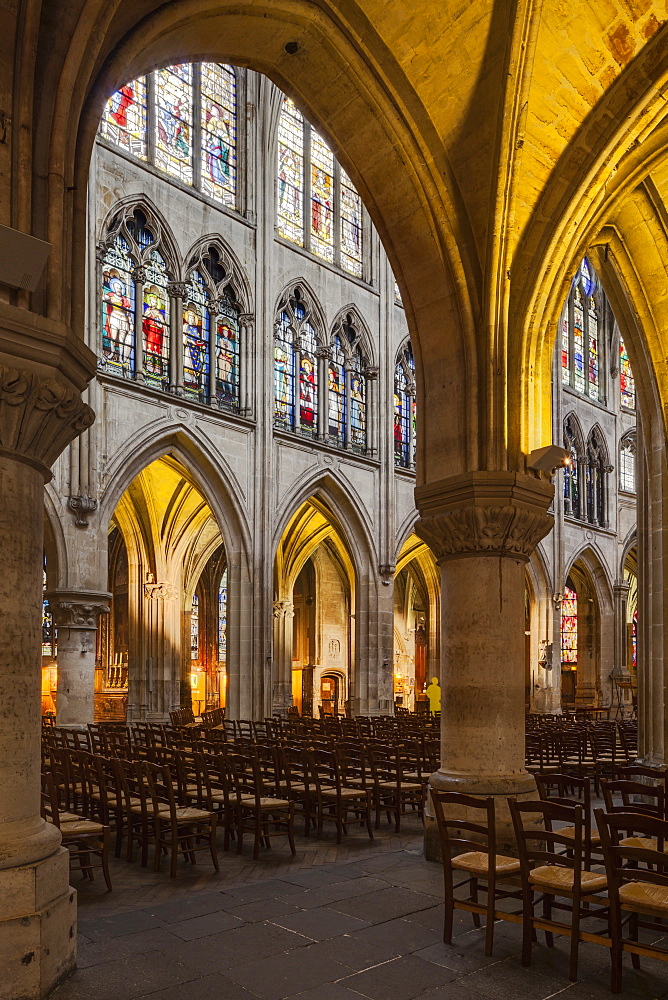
(77, 609)
(371, 374)
(177, 289)
(82, 507)
(139, 273)
(284, 609)
(38, 417)
(323, 352)
(386, 571)
(496, 514)
(164, 591)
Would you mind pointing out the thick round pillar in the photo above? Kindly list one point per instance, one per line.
(76, 615)
(482, 529)
(38, 417)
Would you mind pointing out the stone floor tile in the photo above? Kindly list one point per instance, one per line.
(115, 926)
(147, 973)
(108, 949)
(399, 935)
(215, 987)
(242, 944)
(399, 979)
(330, 991)
(263, 909)
(265, 889)
(321, 923)
(206, 925)
(508, 980)
(194, 905)
(384, 904)
(284, 975)
(351, 951)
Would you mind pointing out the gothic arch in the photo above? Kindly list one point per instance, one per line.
(312, 302)
(165, 241)
(364, 340)
(345, 504)
(238, 276)
(209, 473)
(599, 575)
(336, 81)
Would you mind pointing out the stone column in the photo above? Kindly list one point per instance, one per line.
(284, 613)
(39, 416)
(483, 527)
(75, 615)
(620, 670)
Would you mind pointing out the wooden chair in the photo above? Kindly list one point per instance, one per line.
(475, 856)
(82, 837)
(334, 799)
(646, 775)
(393, 792)
(640, 893)
(177, 826)
(555, 875)
(256, 811)
(566, 786)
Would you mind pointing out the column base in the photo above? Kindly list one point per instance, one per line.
(521, 786)
(38, 927)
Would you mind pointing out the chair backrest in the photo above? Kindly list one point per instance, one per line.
(456, 814)
(566, 789)
(538, 842)
(622, 860)
(160, 787)
(636, 796)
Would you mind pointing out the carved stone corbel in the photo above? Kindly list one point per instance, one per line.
(77, 609)
(82, 508)
(164, 591)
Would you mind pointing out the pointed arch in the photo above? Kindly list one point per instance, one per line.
(234, 274)
(115, 223)
(350, 314)
(599, 574)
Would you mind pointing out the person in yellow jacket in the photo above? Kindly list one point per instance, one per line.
(433, 692)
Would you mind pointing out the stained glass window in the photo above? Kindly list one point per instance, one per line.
(334, 230)
(593, 350)
(173, 127)
(227, 354)
(284, 374)
(634, 641)
(155, 322)
(118, 309)
(569, 626)
(572, 471)
(291, 173)
(397, 294)
(196, 339)
(124, 118)
(129, 118)
(222, 620)
(194, 629)
(308, 382)
(565, 352)
(627, 385)
(357, 403)
(578, 342)
(48, 630)
(404, 408)
(351, 230)
(627, 465)
(336, 407)
(218, 135)
(322, 198)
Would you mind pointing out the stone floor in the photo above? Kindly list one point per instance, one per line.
(334, 923)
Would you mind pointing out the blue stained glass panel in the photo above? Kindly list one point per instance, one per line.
(284, 375)
(118, 309)
(196, 339)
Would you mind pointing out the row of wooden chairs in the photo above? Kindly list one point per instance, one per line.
(554, 870)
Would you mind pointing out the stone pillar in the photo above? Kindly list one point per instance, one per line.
(483, 527)
(75, 615)
(39, 416)
(620, 670)
(284, 613)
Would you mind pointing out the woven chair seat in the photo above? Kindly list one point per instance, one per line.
(404, 786)
(645, 896)
(644, 843)
(476, 863)
(266, 802)
(556, 878)
(569, 833)
(79, 827)
(344, 793)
